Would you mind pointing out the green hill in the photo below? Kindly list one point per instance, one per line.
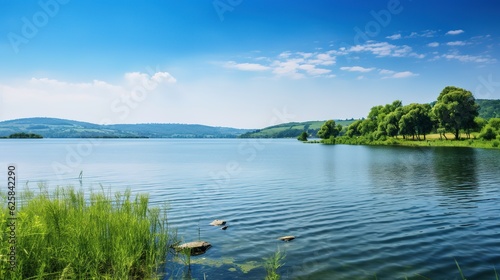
(489, 108)
(61, 128)
(291, 130)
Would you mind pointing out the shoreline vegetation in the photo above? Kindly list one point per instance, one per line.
(451, 121)
(69, 234)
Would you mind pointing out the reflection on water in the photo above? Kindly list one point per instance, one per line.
(455, 169)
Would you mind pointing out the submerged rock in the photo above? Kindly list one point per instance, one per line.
(218, 223)
(287, 238)
(195, 247)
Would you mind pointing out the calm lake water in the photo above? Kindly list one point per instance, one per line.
(358, 212)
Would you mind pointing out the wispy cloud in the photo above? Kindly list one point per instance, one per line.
(456, 43)
(469, 58)
(422, 34)
(356, 69)
(295, 65)
(385, 72)
(382, 49)
(433, 44)
(389, 74)
(146, 79)
(404, 74)
(455, 32)
(246, 66)
(394, 37)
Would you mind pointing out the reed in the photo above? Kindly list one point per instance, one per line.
(65, 234)
(273, 263)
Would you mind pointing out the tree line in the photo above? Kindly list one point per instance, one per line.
(455, 111)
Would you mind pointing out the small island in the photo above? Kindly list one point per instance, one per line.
(23, 135)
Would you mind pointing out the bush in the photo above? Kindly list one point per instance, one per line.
(488, 133)
(495, 143)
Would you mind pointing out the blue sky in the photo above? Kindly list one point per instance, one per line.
(239, 63)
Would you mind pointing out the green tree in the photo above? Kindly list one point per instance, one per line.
(416, 120)
(392, 122)
(367, 126)
(456, 109)
(328, 129)
(387, 118)
(302, 136)
(353, 129)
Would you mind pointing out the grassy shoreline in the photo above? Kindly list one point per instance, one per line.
(432, 140)
(66, 234)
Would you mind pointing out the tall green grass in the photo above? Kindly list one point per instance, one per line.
(65, 234)
(273, 263)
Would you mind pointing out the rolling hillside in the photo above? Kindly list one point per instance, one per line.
(61, 128)
(489, 108)
(291, 130)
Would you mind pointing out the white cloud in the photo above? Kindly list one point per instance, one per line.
(305, 55)
(295, 65)
(456, 43)
(246, 66)
(433, 44)
(46, 82)
(455, 32)
(138, 78)
(404, 74)
(386, 72)
(95, 101)
(284, 54)
(289, 68)
(312, 70)
(382, 49)
(425, 33)
(389, 74)
(356, 69)
(394, 37)
(325, 59)
(468, 58)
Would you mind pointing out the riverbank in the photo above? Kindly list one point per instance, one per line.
(432, 140)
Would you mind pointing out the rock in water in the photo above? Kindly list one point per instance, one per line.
(218, 223)
(196, 247)
(224, 228)
(287, 238)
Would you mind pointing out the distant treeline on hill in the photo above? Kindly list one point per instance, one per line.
(61, 128)
(291, 130)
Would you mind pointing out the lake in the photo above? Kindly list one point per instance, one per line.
(358, 212)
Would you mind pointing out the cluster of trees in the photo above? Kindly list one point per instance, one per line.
(25, 135)
(454, 111)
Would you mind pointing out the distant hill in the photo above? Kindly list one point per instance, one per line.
(489, 108)
(291, 130)
(61, 128)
